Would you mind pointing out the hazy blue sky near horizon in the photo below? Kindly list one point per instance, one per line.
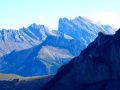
(18, 13)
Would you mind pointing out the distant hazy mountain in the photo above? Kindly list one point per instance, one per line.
(96, 68)
(49, 49)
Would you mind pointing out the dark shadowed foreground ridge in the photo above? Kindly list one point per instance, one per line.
(96, 68)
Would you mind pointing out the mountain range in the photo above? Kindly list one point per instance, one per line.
(96, 68)
(36, 50)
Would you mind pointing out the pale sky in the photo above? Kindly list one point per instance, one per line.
(15, 14)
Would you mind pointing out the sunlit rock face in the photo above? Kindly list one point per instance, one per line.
(83, 30)
(21, 39)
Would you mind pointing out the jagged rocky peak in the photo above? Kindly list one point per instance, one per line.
(63, 19)
(78, 27)
(21, 39)
(83, 19)
(99, 62)
(34, 25)
(79, 18)
(38, 28)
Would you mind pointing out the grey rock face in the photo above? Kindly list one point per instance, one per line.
(21, 39)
